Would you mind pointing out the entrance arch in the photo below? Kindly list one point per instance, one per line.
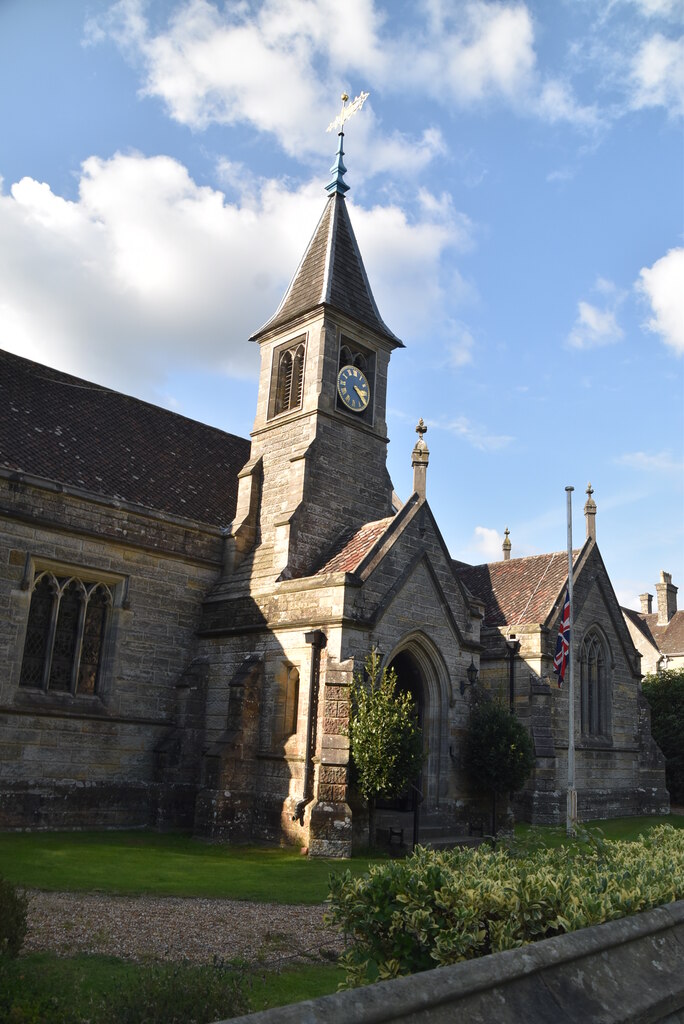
(422, 672)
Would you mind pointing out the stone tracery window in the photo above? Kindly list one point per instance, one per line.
(594, 688)
(289, 378)
(65, 634)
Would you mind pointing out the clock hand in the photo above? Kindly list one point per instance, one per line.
(362, 394)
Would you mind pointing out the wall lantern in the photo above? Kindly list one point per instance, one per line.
(472, 677)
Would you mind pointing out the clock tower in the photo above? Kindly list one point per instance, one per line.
(319, 441)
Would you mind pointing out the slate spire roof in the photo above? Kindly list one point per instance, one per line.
(332, 274)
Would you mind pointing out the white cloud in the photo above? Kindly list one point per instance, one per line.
(459, 345)
(487, 542)
(475, 434)
(657, 74)
(655, 462)
(276, 63)
(663, 286)
(669, 9)
(594, 327)
(147, 269)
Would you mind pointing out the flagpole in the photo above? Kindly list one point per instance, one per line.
(571, 815)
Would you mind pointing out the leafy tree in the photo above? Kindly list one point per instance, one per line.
(385, 739)
(665, 693)
(498, 755)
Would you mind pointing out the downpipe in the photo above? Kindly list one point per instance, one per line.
(318, 640)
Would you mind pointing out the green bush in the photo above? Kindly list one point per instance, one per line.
(498, 754)
(665, 694)
(437, 908)
(13, 908)
(179, 994)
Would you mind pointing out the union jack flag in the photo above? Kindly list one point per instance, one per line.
(560, 662)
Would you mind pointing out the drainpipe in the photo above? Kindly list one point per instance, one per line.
(318, 640)
(513, 646)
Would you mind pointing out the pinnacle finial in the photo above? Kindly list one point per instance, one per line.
(337, 184)
(590, 513)
(421, 428)
(506, 544)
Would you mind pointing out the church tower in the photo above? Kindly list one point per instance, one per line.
(318, 460)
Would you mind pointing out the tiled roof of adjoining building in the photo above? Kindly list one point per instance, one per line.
(517, 591)
(668, 638)
(64, 429)
(349, 553)
(331, 273)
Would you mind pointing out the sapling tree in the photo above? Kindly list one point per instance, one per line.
(498, 755)
(385, 739)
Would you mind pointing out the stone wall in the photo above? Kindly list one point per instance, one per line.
(77, 760)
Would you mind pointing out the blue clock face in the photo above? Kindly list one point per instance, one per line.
(353, 388)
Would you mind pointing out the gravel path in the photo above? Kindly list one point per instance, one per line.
(174, 928)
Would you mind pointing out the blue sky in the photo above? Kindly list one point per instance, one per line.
(516, 190)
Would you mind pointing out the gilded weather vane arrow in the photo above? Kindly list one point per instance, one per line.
(347, 111)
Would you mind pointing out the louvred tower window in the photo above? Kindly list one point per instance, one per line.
(286, 394)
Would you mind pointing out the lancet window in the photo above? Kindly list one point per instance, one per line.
(289, 378)
(65, 634)
(594, 689)
(287, 701)
(353, 354)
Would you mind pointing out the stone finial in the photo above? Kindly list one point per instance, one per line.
(667, 598)
(506, 545)
(420, 456)
(590, 513)
(646, 603)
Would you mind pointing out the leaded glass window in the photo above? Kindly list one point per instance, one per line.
(65, 634)
(594, 693)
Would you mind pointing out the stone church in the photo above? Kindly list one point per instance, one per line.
(183, 610)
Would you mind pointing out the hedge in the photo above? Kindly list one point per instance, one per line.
(439, 907)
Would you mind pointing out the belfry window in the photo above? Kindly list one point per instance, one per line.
(594, 690)
(289, 378)
(65, 635)
(353, 354)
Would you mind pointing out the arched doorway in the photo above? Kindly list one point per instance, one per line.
(409, 680)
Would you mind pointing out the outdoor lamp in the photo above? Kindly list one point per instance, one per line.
(472, 677)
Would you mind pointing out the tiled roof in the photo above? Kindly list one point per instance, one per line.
(61, 428)
(521, 590)
(331, 273)
(669, 639)
(351, 551)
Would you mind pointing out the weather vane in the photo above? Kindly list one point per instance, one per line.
(347, 111)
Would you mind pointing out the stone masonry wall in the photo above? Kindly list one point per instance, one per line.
(70, 761)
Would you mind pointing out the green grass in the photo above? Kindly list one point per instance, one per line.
(42, 988)
(615, 828)
(165, 865)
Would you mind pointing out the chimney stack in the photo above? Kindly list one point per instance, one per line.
(646, 604)
(590, 514)
(667, 598)
(420, 456)
(506, 545)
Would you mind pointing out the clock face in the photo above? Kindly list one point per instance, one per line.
(353, 388)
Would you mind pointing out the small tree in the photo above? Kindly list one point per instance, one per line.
(665, 693)
(385, 740)
(497, 752)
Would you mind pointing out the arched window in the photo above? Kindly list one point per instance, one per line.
(289, 378)
(594, 689)
(353, 354)
(65, 634)
(287, 702)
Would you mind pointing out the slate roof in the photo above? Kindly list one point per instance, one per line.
(331, 273)
(65, 429)
(669, 638)
(521, 590)
(350, 552)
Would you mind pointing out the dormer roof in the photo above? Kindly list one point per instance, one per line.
(331, 274)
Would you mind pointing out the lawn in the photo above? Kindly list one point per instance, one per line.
(615, 828)
(165, 865)
(42, 988)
